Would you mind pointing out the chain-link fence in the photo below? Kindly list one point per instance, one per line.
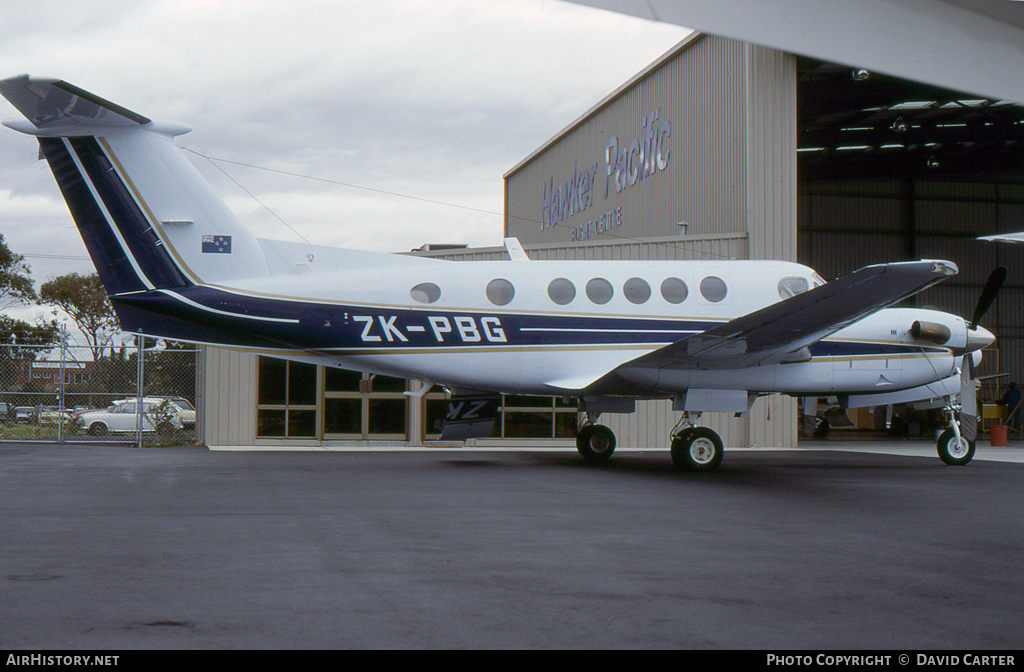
(67, 393)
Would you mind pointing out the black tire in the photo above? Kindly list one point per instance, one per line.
(821, 428)
(595, 442)
(951, 453)
(697, 449)
(98, 429)
(164, 429)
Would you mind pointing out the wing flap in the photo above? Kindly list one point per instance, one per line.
(779, 331)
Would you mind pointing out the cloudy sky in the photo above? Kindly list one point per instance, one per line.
(429, 99)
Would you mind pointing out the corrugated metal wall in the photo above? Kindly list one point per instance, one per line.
(846, 224)
(228, 409)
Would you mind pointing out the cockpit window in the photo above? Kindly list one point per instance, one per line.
(425, 292)
(792, 286)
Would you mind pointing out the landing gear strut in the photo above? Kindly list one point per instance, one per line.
(595, 443)
(954, 447)
(695, 448)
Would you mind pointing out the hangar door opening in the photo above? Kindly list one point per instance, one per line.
(891, 170)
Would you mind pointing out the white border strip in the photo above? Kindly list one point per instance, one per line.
(190, 302)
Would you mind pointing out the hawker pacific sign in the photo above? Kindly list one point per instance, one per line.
(625, 163)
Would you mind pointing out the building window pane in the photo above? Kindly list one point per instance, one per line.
(273, 380)
(525, 401)
(526, 424)
(500, 292)
(343, 416)
(561, 291)
(713, 289)
(269, 423)
(425, 292)
(674, 290)
(636, 290)
(565, 425)
(600, 291)
(387, 416)
(387, 384)
(437, 411)
(302, 423)
(287, 399)
(302, 384)
(341, 380)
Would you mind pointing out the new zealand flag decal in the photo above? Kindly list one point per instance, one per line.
(216, 244)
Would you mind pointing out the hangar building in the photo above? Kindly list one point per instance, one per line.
(720, 149)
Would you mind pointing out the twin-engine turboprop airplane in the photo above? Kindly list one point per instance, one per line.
(711, 335)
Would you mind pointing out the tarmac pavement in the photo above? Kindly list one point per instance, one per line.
(831, 546)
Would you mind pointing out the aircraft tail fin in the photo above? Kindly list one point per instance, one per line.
(148, 218)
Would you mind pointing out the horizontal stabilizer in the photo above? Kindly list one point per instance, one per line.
(51, 103)
(1005, 237)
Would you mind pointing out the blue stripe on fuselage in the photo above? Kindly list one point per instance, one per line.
(251, 321)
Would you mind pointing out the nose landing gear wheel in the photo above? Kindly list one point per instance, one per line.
(953, 452)
(595, 442)
(697, 449)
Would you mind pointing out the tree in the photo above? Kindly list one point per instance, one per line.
(85, 301)
(15, 278)
(16, 337)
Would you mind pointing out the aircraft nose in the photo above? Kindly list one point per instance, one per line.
(979, 338)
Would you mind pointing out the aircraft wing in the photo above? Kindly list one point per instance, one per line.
(778, 332)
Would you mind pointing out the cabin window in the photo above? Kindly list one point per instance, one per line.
(674, 290)
(425, 292)
(713, 289)
(792, 286)
(500, 292)
(561, 291)
(636, 290)
(600, 291)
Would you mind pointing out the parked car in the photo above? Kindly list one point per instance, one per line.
(24, 413)
(52, 415)
(188, 411)
(159, 415)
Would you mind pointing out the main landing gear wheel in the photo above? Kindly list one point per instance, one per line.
(954, 452)
(697, 449)
(595, 442)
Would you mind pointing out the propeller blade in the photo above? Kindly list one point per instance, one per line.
(988, 295)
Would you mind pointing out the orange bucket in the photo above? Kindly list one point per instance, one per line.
(997, 435)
